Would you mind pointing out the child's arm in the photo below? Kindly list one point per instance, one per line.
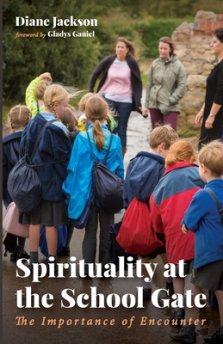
(31, 101)
(195, 212)
(184, 229)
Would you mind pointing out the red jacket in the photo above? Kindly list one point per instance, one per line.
(168, 204)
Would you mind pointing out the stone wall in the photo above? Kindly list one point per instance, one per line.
(192, 42)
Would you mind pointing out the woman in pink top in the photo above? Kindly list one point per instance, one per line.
(120, 84)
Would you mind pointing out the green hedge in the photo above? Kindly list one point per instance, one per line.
(151, 32)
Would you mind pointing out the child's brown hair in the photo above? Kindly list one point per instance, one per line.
(182, 150)
(18, 117)
(84, 100)
(68, 118)
(96, 111)
(55, 93)
(162, 134)
(211, 155)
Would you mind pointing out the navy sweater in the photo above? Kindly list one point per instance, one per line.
(51, 156)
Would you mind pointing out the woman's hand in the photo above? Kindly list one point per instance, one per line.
(198, 118)
(46, 76)
(209, 121)
(145, 113)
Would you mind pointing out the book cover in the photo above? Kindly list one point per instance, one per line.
(68, 39)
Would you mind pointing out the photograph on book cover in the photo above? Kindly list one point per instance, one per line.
(112, 129)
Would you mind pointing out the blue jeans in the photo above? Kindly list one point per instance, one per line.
(122, 111)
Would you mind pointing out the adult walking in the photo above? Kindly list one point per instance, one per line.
(166, 86)
(120, 84)
(210, 117)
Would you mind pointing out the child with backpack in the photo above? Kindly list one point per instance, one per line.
(144, 172)
(68, 118)
(19, 116)
(82, 120)
(204, 218)
(51, 156)
(90, 146)
(168, 203)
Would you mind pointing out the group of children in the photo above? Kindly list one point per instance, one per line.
(177, 196)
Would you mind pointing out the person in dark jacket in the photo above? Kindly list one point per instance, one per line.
(19, 116)
(52, 155)
(143, 174)
(210, 117)
(120, 84)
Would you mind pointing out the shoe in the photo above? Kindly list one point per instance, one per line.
(23, 254)
(215, 338)
(186, 335)
(147, 294)
(65, 252)
(177, 316)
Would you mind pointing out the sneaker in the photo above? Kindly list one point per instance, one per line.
(147, 294)
(177, 316)
(186, 335)
(215, 338)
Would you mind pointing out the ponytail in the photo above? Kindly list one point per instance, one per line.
(98, 134)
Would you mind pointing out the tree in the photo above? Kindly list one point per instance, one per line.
(70, 60)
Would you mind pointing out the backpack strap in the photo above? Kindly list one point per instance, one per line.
(215, 199)
(37, 140)
(91, 151)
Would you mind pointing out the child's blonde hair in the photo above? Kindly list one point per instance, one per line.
(96, 110)
(18, 117)
(182, 150)
(162, 134)
(83, 101)
(41, 87)
(68, 118)
(53, 94)
(211, 155)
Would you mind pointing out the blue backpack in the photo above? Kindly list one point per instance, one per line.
(143, 173)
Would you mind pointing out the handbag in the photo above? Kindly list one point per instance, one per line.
(23, 183)
(107, 186)
(11, 222)
(62, 239)
(136, 234)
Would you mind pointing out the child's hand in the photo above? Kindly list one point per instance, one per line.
(184, 229)
(46, 75)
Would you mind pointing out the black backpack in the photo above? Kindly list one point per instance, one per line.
(107, 187)
(23, 183)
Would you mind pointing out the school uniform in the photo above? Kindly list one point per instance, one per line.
(51, 158)
(168, 203)
(78, 185)
(203, 219)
